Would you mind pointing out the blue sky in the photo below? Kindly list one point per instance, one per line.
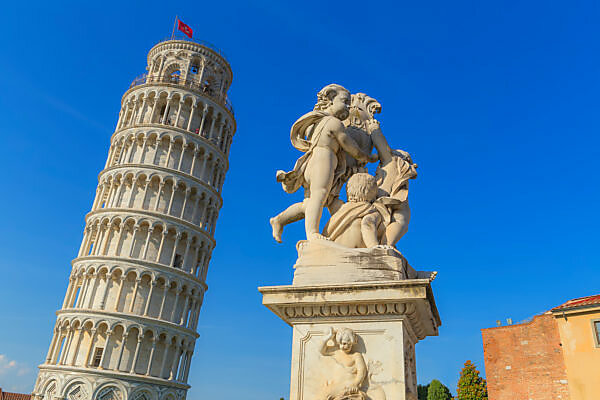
(496, 101)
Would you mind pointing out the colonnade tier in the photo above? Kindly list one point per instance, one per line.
(177, 108)
(161, 241)
(176, 151)
(161, 196)
(126, 346)
(100, 286)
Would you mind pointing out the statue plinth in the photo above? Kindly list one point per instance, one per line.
(326, 262)
(389, 311)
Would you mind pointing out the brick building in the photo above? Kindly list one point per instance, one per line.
(554, 356)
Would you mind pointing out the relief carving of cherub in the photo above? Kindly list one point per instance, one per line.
(345, 382)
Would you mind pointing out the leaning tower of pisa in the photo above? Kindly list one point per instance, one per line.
(127, 326)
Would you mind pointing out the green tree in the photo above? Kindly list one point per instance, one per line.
(437, 391)
(471, 386)
(422, 392)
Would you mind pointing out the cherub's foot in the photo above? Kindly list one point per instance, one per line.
(316, 236)
(277, 229)
(384, 247)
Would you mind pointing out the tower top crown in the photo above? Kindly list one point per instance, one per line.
(195, 64)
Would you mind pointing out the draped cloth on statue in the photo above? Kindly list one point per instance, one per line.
(305, 136)
(350, 212)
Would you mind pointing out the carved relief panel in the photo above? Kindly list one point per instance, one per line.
(351, 361)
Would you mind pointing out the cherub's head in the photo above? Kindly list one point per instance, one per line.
(361, 187)
(335, 99)
(345, 339)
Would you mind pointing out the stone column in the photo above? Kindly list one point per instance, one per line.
(147, 244)
(93, 336)
(162, 242)
(177, 239)
(106, 344)
(149, 300)
(121, 349)
(135, 290)
(177, 292)
(121, 282)
(106, 289)
(137, 353)
(178, 114)
(188, 192)
(164, 360)
(164, 298)
(192, 110)
(151, 358)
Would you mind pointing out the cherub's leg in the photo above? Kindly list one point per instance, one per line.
(397, 229)
(293, 213)
(368, 228)
(319, 176)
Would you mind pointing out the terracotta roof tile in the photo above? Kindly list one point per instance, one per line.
(14, 396)
(580, 302)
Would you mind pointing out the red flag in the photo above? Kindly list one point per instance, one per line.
(184, 28)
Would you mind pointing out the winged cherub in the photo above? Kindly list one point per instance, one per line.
(321, 135)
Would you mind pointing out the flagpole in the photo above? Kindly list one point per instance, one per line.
(173, 33)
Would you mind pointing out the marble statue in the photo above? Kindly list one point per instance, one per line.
(345, 381)
(338, 137)
(321, 135)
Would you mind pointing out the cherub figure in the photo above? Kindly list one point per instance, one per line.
(361, 222)
(321, 135)
(347, 383)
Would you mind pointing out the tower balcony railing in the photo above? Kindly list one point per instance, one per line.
(193, 84)
(180, 36)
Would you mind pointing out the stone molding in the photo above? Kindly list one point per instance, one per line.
(410, 299)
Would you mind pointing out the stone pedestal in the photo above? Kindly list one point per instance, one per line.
(387, 316)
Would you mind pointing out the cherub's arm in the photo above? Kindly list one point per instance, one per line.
(361, 370)
(325, 349)
(348, 144)
(379, 141)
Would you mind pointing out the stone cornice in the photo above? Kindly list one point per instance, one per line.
(384, 300)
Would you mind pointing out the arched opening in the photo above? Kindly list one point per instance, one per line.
(50, 391)
(77, 392)
(109, 393)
